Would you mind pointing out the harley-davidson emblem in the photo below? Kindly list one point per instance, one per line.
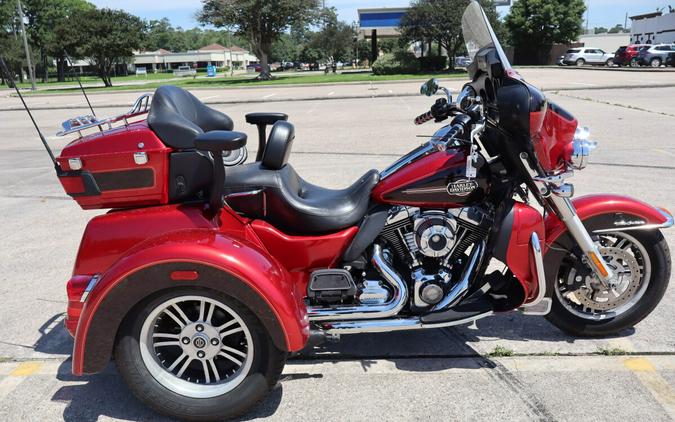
(461, 187)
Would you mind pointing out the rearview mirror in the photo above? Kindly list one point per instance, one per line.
(430, 87)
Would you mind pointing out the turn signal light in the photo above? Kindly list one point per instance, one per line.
(598, 264)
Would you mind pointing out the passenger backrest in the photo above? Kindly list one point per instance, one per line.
(177, 117)
(279, 144)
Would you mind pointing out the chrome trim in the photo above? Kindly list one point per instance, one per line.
(75, 163)
(80, 123)
(566, 190)
(140, 158)
(240, 194)
(541, 274)
(459, 289)
(581, 148)
(666, 224)
(389, 325)
(92, 283)
(386, 310)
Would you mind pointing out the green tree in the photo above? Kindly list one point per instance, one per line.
(10, 44)
(261, 22)
(599, 30)
(105, 37)
(616, 29)
(441, 21)
(545, 22)
(43, 17)
(335, 39)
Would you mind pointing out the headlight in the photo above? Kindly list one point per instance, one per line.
(581, 148)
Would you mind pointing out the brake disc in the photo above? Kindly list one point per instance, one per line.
(593, 295)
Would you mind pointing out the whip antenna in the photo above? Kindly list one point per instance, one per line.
(10, 78)
(77, 76)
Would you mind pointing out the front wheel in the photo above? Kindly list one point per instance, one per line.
(197, 355)
(655, 62)
(609, 63)
(580, 62)
(583, 307)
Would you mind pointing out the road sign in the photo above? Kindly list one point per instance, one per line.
(210, 71)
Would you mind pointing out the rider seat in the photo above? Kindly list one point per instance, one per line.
(273, 191)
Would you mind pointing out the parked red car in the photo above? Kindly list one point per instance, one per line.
(627, 55)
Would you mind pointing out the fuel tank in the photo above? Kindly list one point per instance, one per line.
(437, 180)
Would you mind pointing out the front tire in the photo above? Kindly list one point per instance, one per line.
(197, 355)
(609, 63)
(585, 319)
(655, 62)
(580, 62)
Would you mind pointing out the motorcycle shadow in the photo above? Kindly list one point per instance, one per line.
(106, 395)
(454, 347)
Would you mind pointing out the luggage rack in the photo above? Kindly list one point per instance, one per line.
(80, 123)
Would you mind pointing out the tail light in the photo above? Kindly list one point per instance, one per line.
(78, 289)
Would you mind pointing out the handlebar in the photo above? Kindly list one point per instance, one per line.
(423, 118)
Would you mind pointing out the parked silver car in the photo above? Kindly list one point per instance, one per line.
(588, 55)
(655, 55)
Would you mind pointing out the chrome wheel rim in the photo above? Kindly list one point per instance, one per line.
(584, 296)
(196, 346)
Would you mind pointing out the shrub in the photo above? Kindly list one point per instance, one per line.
(396, 62)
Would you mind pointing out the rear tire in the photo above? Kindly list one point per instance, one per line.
(165, 391)
(580, 62)
(657, 250)
(655, 62)
(634, 63)
(610, 63)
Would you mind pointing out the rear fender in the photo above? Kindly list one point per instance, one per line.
(237, 268)
(601, 212)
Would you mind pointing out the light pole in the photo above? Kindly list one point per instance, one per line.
(25, 46)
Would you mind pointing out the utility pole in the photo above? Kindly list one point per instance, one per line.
(588, 12)
(25, 46)
(229, 42)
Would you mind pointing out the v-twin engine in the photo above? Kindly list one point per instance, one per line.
(427, 246)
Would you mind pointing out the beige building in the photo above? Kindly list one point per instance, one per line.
(210, 55)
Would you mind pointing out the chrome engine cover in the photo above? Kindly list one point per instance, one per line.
(435, 233)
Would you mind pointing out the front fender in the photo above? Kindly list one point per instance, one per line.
(238, 268)
(598, 212)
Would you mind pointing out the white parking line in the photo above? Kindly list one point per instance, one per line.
(208, 98)
(582, 83)
(330, 93)
(269, 96)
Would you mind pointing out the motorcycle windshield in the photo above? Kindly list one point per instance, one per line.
(478, 34)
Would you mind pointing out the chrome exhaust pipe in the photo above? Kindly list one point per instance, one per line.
(386, 310)
(459, 289)
(389, 325)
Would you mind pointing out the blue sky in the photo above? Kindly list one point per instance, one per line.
(181, 12)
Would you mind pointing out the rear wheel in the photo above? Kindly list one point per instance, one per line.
(655, 62)
(580, 62)
(641, 263)
(610, 62)
(197, 355)
(634, 62)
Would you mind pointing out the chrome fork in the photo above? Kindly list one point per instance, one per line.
(568, 214)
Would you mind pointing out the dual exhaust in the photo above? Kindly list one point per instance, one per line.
(353, 319)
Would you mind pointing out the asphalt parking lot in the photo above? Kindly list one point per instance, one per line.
(448, 374)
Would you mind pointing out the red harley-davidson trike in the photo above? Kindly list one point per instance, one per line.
(203, 277)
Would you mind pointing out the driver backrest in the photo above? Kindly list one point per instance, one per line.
(279, 144)
(177, 117)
